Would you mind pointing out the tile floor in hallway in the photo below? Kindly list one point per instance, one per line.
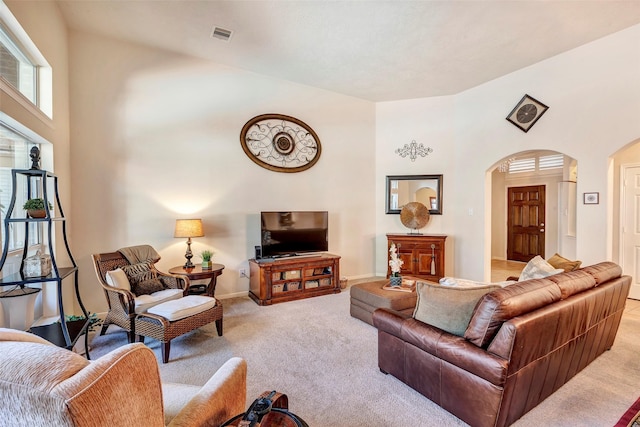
(501, 269)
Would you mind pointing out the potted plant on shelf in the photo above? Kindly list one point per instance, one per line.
(35, 208)
(206, 259)
(395, 263)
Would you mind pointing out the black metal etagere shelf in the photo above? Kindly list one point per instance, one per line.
(63, 333)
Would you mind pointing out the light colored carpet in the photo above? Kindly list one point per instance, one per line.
(326, 362)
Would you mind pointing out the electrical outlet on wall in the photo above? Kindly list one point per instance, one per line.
(243, 273)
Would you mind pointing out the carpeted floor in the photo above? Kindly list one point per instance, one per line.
(326, 362)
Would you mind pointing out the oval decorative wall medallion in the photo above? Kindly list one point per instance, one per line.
(280, 143)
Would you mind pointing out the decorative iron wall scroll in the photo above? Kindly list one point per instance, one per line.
(414, 150)
(280, 143)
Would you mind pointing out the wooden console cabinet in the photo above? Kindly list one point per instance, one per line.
(294, 278)
(423, 255)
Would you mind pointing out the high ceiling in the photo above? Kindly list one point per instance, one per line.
(374, 50)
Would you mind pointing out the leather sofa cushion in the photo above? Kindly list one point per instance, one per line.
(604, 271)
(573, 282)
(503, 304)
(448, 307)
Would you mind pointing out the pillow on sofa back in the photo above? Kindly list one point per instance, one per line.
(448, 307)
(466, 283)
(537, 268)
(511, 301)
(558, 261)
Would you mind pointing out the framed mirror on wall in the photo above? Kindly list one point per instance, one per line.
(403, 189)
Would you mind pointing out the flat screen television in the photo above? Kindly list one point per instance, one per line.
(294, 233)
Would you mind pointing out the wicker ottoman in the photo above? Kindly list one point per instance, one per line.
(366, 297)
(171, 319)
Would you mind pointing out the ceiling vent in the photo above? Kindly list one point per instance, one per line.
(221, 33)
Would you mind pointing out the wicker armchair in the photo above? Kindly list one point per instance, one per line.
(126, 312)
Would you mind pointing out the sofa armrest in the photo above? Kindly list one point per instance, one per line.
(220, 399)
(389, 321)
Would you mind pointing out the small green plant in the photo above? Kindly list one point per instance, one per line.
(35, 204)
(206, 255)
(94, 320)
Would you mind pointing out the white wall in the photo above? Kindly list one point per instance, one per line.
(594, 97)
(156, 137)
(428, 121)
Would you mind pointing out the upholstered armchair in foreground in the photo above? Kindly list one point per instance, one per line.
(45, 385)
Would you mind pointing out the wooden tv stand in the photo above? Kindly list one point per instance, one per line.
(293, 278)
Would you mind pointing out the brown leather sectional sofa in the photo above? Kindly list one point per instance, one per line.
(523, 342)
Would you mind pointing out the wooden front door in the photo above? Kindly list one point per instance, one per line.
(525, 228)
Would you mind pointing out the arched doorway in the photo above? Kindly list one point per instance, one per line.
(556, 173)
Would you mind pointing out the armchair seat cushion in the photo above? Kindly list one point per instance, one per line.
(145, 302)
(183, 307)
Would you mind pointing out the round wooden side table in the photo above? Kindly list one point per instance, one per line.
(198, 273)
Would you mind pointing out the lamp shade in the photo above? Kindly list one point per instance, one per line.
(188, 228)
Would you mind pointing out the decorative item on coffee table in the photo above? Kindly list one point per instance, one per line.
(395, 263)
(406, 285)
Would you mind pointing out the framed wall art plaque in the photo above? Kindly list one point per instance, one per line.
(280, 143)
(527, 112)
(591, 198)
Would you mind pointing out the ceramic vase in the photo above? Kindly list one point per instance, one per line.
(395, 280)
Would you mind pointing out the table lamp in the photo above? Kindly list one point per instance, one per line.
(188, 228)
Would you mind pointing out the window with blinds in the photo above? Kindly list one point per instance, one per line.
(536, 164)
(14, 154)
(16, 67)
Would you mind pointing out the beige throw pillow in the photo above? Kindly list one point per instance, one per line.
(538, 268)
(448, 307)
(118, 279)
(466, 283)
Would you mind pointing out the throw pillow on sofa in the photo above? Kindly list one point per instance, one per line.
(538, 268)
(466, 283)
(558, 261)
(448, 307)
